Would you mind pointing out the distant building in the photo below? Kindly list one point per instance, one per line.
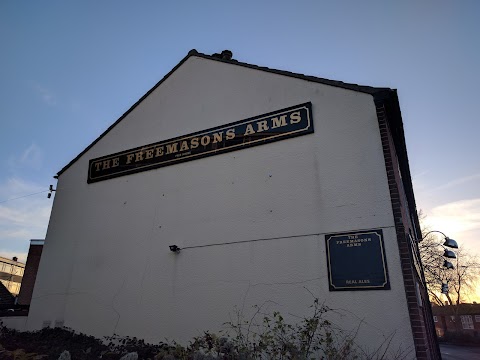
(230, 185)
(6, 297)
(11, 274)
(31, 268)
(468, 319)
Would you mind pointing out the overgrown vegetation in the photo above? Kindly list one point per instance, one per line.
(263, 336)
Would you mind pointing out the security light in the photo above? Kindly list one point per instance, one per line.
(50, 191)
(174, 248)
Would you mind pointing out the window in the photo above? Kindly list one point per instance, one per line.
(419, 297)
(46, 324)
(467, 322)
(59, 323)
(477, 318)
(435, 319)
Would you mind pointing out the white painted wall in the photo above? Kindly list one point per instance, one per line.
(106, 267)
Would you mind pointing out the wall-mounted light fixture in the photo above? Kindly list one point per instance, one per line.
(448, 242)
(449, 254)
(174, 248)
(50, 191)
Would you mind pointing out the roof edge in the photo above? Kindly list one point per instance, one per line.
(190, 53)
(375, 92)
(394, 117)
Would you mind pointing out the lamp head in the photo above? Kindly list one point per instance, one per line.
(448, 265)
(449, 254)
(450, 243)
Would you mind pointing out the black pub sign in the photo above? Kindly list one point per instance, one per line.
(356, 261)
(274, 126)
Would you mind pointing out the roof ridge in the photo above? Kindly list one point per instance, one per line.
(378, 93)
(349, 86)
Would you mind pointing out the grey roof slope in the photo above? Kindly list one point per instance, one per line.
(378, 93)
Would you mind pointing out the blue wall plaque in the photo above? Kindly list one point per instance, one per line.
(356, 261)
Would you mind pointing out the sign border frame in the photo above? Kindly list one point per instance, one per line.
(307, 130)
(385, 286)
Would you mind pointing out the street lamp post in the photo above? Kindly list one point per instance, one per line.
(448, 253)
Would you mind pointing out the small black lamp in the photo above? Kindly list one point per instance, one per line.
(444, 288)
(174, 248)
(450, 243)
(449, 254)
(448, 264)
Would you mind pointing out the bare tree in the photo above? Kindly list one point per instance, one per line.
(460, 280)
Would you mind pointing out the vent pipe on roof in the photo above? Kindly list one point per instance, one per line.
(225, 55)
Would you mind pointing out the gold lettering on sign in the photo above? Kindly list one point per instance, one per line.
(353, 240)
(205, 140)
(172, 148)
(355, 282)
(295, 117)
(262, 126)
(279, 121)
(184, 146)
(249, 130)
(194, 143)
(217, 137)
(158, 151)
(230, 134)
(244, 133)
(149, 154)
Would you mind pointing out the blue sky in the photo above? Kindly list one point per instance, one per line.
(70, 69)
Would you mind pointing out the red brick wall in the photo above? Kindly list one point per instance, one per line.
(420, 314)
(30, 274)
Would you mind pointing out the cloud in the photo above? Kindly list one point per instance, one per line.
(456, 182)
(423, 186)
(22, 219)
(459, 220)
(461, 215)
(31, 157)
(46, 95)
